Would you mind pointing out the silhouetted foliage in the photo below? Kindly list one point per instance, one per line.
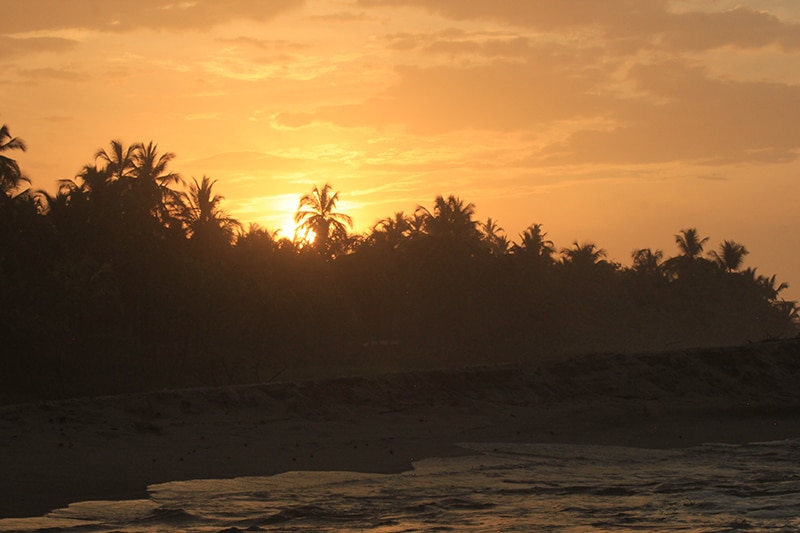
(730, 255)
(535, 246)
(11, 178)
(209, 227)
(128, 278)
(647, 262)
(320, 224)
(496, 243)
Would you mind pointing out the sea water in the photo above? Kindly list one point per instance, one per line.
(501, 487)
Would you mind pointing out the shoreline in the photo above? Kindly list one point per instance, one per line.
(112, 448)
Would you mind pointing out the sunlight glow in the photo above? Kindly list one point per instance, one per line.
(283, 208)
(305, 238)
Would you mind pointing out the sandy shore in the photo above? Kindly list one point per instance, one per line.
(111, 448)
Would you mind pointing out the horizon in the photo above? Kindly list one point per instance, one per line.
(617, 125)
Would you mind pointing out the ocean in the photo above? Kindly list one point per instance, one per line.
(501, 487)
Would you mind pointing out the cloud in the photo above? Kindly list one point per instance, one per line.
(670, 111)
(713, 177)
(13, 47)
(537, 13)
(50, 74)
(272, 45)
(694, 118)
(741, 27)
(594, 105)
(632, 24)
(244, 163)
(121, 16)
(497, 96)
(341, 16)
(516, 47)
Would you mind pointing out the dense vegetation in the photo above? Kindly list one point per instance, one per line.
(132, 277)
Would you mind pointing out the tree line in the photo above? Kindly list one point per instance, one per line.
(132, 277)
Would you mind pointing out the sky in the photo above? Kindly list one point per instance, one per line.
(619, 122)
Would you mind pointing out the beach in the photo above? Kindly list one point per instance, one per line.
(115, 447)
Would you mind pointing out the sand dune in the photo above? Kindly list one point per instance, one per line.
(55, 453)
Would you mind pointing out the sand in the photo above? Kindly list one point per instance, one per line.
(55, 453)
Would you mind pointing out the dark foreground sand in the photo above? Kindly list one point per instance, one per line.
(112, 448)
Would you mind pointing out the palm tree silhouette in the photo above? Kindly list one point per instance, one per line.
(118, 160)
(450, 217)
(95, 188)
(730, 255)
(207, 223)
(316, 213)
(148, 165)
(151, 181)
(768, 287)
(391, 230)
(257, 243)
(498, 244)
(647, 261)
(690, 261)
(454, 216)
(583, 255)
(689, 243)
(416, 224)
(11, 178)
(142, 181)
(534, 244)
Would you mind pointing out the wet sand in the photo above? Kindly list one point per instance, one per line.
(55, 453)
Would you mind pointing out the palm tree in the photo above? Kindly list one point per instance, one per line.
(583, 255)
(498, 244)
(490, 229)
(257, 233)
(96, 187)
(450, 217)
(501, 245)
(88, 211)
(647, 261)
(148, 165)
(768, 287)
(416, 224)
(11, 178)
(316, 214)
(207, 223)
(690, 262)
(141, 180)
(689, 243)
(534, 244)
(151, 181)
(730, 255)
(118, 161)
(256, 246)
(391, 230)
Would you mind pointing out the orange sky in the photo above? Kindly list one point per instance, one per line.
(619, 122)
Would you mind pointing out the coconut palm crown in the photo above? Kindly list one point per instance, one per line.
(317, 214)
(730, 255)
(11, 178)
(205, 220)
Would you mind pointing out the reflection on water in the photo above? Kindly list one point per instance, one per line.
(504, 487)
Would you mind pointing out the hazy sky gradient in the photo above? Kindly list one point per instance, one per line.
(619, 122)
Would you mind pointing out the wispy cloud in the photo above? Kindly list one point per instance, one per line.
(629, 104)
(123, 16)
(11, 47)
(641, 24)
(50, 74)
